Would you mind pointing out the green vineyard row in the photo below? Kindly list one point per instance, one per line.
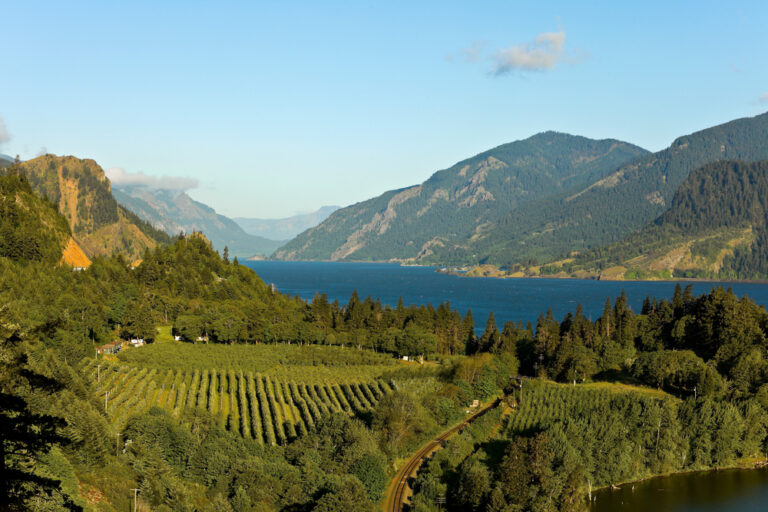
(258, 407)
(542, 403)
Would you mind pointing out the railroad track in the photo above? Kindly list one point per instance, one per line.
(397, 500)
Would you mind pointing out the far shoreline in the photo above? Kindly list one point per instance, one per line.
(571, 278)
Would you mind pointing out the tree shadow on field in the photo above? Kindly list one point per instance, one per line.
(494, 449)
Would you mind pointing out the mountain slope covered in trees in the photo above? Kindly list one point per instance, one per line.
(31, 228)
(175, 212)
(465, 223)
(621, 202)
(716, 226)
(444, 217)
(84, 196)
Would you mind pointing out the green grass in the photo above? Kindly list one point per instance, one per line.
(308, 363)
(164, 335)
(620, 387)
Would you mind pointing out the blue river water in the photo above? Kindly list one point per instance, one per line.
(509, 299)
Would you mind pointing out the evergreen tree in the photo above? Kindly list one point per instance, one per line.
(25, 435)
(468, 328)
(491, 339)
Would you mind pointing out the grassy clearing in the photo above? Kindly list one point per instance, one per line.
(309, 364)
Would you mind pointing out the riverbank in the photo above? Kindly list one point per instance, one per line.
(490, 271)
(744, 464)
(716, 490)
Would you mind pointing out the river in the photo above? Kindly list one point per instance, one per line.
(509, 299)
(732, 490)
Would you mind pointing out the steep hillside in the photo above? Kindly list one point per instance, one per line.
(175, 212)
(716, 226)
(443, 218)
(83, 195)
(620, 203)
(31, 229)
(286, 228)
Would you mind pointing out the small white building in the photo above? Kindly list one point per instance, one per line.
(405, 358)
(177, 338)
(136, 342)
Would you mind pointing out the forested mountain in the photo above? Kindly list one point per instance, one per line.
(31, 228)
(5, 160)
(444, 218)
(491, 218)
(175, 212)
(716, 226)
(286, 228)
(621, 202)
(84, 196)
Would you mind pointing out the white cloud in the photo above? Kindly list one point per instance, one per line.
(543, 54)
(764, 97)
(475, 52)
(119, 176)
(4, 135)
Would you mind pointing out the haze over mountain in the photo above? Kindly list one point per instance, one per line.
(83, 194)
(285, 228)
(443, 218)
(529, 201)
(174, 212)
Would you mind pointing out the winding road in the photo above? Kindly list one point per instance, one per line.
(398, 488)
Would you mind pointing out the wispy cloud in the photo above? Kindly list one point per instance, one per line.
(472, 53)
(120, 177)
(475, 52)
(542, 54)
(4, 135)
(764, 97)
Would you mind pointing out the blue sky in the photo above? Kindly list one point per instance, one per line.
(270, 108)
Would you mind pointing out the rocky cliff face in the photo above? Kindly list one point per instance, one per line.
(99, 225)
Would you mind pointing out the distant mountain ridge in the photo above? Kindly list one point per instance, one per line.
(175, 212)
(285, 228)
(623, 201)
(550, 214)
(83, 194)
(443, 218)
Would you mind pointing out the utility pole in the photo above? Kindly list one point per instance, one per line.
(117, 444)
(106, 399)
(98, 373)
(135, 491)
